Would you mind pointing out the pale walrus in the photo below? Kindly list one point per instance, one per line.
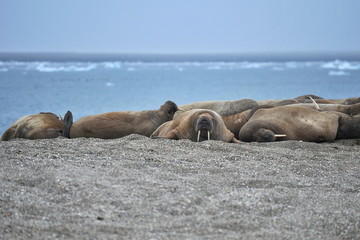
(196, 125)
(223, 108)
(36, 126)
(299, 123)
(120, 124)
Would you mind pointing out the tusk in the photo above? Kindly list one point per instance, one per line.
(208, 135)
(316, 105)
(198, 137)
(280, 135)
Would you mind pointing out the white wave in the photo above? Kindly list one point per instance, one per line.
(338, 73)
(131, 69)
(254, 65)
(56, 67)
(112, 65)
(109, 84)
(341, 65)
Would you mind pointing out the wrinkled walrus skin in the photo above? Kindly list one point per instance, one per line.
(299, 123)
(197, 125)
(223, 108)
(120, 124)
(35, 126)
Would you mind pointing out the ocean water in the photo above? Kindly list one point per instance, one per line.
(86, 87)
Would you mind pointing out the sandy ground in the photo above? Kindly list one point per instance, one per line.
(141, 188)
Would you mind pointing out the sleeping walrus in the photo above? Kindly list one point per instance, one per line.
(120, 124)
(299, 123)
(36, 126)
(223, 108)
(196, 125)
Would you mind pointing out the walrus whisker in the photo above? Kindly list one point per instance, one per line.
(208, 135)
(198, 136)
(280, 135)
(315, 103)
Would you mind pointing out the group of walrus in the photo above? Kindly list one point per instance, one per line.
(307, 118)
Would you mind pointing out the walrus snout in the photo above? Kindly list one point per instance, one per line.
(265, 135)
(204, 126)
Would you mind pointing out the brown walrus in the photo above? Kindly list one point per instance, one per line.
(120, 124)
(236, 121)
(196, 125)
(36, 126)
(308, 99)
(223, 108)
(299, 123)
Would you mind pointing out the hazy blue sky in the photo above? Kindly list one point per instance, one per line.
(182, 26)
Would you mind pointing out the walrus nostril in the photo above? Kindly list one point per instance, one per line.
(204, 120)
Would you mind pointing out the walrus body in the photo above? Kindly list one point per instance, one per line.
(120, 124)
(353, 109)
(298, 123)
(223, 108)
(196, 125)
(35, 126)
(308, 99)
(236, 121)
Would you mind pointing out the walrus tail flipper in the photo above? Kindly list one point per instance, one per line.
(68, 121)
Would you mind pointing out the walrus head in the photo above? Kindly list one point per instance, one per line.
(169, 108)
(204, 126)
(266, 135)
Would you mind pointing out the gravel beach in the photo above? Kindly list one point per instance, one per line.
(140, 188)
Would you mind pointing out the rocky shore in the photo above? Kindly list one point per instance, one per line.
(140, 188)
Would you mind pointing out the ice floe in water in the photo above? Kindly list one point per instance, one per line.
(341, 65)
(112, 65)
(62, 67)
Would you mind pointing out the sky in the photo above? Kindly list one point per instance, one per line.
(186, 26)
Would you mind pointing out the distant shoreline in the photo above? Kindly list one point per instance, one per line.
(101, 57)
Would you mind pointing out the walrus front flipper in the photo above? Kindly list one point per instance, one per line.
(68, 121)
(8, 134)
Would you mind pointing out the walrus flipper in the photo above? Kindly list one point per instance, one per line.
(68, 121)
(8, 134)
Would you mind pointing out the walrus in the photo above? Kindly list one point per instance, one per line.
(223, 108)
(300, 99)
(236, 121)
(119, 124)
(299, 123)
(310, 98)
(36, 126)
(353, 109)
(197, 125)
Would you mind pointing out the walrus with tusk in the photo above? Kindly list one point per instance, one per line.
(119, 124)
(299, 123)
(36, 126)
(197, 125)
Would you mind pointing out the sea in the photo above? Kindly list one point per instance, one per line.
(88, 84)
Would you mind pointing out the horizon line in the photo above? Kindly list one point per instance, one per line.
(206, 56)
